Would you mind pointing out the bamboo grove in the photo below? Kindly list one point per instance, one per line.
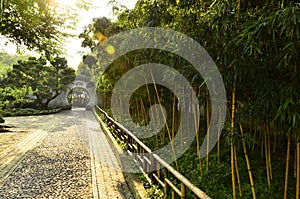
(256, 46)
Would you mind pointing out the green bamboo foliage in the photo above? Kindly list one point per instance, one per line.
(256, 46)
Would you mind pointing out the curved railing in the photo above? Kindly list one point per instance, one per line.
(157, 171)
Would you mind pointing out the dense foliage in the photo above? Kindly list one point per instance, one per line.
(38, 81)
(28, 86)
(32, 83)
(40, 25)
(7, 60)
(255, 44)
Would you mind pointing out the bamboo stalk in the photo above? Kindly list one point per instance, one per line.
(298, 157)
(232, 171)
(198, 137)
(237, 172)
(187, 127)
(232, 134)
(233, 116)
(181, 134)
(208, 133)
(269, 152)
(255, 130)
(295, 162)
(143, 110)
(148, 93)
(266, 156)
(138, 114)
(167, 127)
(261, 132)
(149, 98)
(161, 134)
(275, 142)
(282, 4)
(219, 132)
(173, 115)
(287, 166)
(298, 167)
(247, 162)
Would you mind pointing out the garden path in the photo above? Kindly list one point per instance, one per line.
(60, 155)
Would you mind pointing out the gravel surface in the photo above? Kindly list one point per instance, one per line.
(58, 168)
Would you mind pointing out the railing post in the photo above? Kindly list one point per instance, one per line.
(154, 164)
(143, 158)
(183, 191)
(123, 135)
(134, 149)
(152, 167)
(158, 170)
(126, 139)
(131, 146)
(115, 130)
(128, 143)
(165, 183)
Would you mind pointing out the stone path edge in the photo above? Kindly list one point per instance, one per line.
(135, 186)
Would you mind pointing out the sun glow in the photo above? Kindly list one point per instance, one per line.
(65, 3)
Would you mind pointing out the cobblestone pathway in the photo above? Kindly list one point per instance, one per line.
(64, 155)
(108, 179)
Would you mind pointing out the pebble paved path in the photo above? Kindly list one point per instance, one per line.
(65, 155)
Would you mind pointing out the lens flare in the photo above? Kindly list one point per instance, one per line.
(110, 49)
(100, 37)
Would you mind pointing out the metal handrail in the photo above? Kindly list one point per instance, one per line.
(135, 145)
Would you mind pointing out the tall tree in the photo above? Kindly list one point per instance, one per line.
(38, 24)
(46, 81)
(101, 28)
